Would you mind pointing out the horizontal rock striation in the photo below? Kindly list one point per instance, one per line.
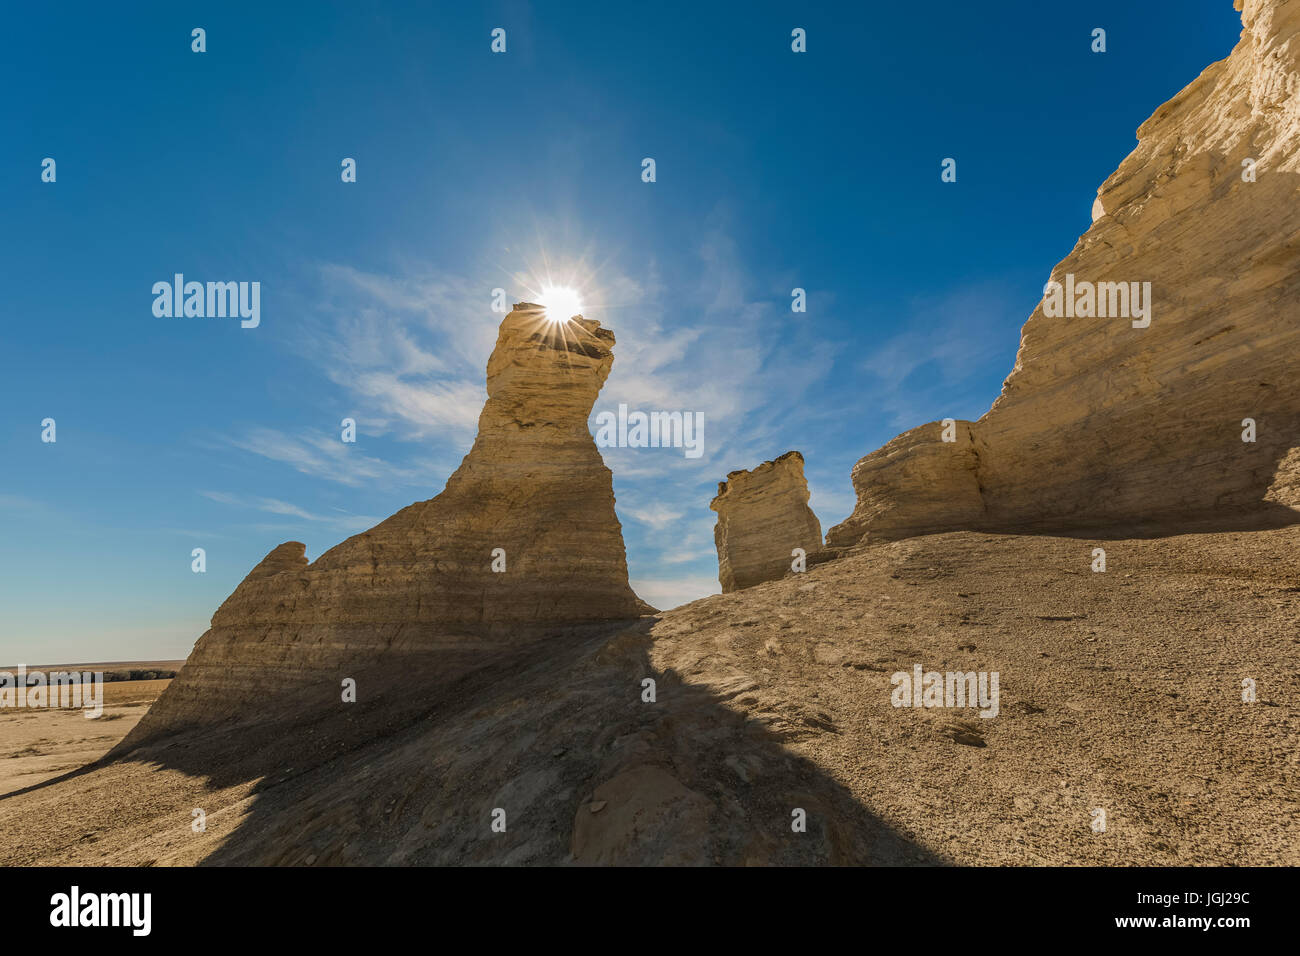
(763, 515)
(1106, 423)
(532, 497)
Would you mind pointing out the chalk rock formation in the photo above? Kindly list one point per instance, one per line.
(763, 515)
(1102, 423)
(423, 581)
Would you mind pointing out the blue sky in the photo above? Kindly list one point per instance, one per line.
(477, 170)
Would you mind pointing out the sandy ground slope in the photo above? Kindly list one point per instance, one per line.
(1119, 691)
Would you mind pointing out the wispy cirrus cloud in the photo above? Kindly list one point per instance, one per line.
(670, 592)
(321, 455)
(720, 346)
(342, 521)
(688, 541)
(656, 515)
(933, 369)
(832, 503)
(409, 349)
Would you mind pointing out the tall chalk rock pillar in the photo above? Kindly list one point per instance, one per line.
(523, 539)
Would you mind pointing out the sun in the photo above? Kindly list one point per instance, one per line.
(561, 302)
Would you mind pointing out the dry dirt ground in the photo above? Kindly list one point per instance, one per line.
(1119, 691)
(39, 744)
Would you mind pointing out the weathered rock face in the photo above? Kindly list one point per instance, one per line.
(1104, 423)
(763, 515)
(533, 486)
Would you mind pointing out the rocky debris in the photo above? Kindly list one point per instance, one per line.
(964, 732)
(763, 515)
(532, 499)
(1104, 423)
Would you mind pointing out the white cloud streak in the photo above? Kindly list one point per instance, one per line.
(342, 522)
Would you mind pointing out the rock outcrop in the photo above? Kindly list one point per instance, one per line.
(763, 515)
(1104, 422)
(524, 538)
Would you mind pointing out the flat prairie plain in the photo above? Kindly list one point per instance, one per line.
(39, 743)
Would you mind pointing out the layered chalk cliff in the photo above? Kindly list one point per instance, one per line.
(763, 516)
(1112, 417)
(524, 538)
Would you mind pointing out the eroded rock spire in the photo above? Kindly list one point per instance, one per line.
(763, 516)
(523, 538)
